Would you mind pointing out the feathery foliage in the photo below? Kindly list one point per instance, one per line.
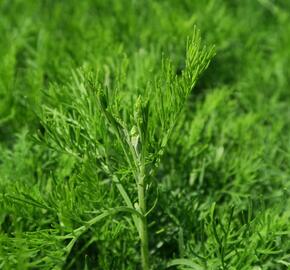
(126, 143)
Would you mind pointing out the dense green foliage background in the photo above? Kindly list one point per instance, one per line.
(223, 181)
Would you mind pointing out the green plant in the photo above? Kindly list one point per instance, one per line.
(123, 131)
(77, 81)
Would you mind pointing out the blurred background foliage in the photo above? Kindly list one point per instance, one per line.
(224, 178)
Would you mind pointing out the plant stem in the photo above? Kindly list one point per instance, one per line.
(143, 223)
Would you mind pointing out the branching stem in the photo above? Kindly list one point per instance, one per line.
(143, 221)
